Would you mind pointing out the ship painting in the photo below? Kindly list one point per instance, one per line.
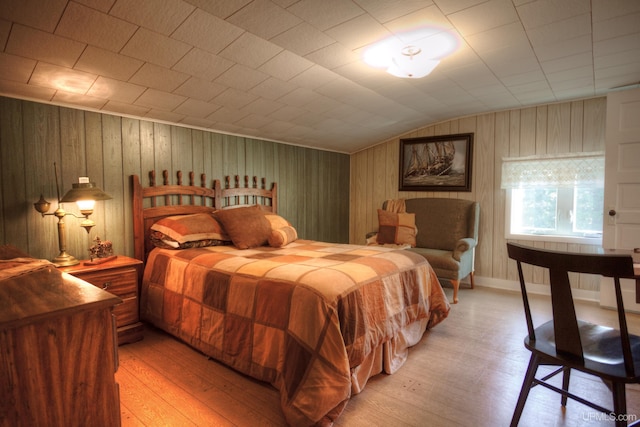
(435, 159)
(436, 163)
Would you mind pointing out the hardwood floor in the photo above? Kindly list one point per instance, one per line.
(467, 371)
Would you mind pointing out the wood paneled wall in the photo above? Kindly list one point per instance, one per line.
(312, 184)
(545, 129)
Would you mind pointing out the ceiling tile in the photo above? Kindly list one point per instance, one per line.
(32, 14)
(146, 13)
(77, 99)
(543, 12)
(155, 48)
(571, 28)
(226, 115)
(221, 9)
(52, 76)
(358, 32)
(384, 10)
(109, 64)
(101, 5)
(28, 91)
(616, 27)
(451, 6)
(429, 16)
(16, 68)
(43, 46)
(126, 109)
(199, 89)
(241, 77)
(559, 49)
(197, 31)
(164, 116)
(196, 108)
(333, 56)
(157, 99)
(93, 27)
(252, 19)
(262, 107)
(234, 98)
(250, 50)
(603, 10)
(494, 13)
(115, 89)
(326, 13)
(202, 64)
(272, 88)
(302, 39)
(285, 65)
(159, 78)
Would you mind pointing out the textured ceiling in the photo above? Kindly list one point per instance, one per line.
(291, 71)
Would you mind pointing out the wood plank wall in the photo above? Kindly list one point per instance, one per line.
(312, 184)
(554, 128)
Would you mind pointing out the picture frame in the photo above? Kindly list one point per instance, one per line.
(436, 163)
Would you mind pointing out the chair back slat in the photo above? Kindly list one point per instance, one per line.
(565, 322)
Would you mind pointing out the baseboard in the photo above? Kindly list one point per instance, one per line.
(533, 288)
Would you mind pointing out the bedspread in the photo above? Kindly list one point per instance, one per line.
(302, 317)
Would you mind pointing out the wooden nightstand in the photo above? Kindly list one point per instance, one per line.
(119, 277)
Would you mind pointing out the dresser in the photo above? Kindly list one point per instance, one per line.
(118, 276)
(59, 352)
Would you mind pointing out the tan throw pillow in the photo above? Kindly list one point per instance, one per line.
(276, 220)
(247, 226)
(282, 236)
(396, 228)
(181, 231)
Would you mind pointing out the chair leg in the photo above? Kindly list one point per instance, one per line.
(526, 387)
(565, 385)
(619, 403)
(473, 283)
(456, 286)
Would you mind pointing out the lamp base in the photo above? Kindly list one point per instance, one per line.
(65, 260)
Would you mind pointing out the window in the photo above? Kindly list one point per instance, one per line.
(560, 198)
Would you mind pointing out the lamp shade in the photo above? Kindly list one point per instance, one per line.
(85, 191)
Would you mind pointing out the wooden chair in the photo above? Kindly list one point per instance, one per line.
(569, 343)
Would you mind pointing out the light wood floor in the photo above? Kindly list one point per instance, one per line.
(467, 371)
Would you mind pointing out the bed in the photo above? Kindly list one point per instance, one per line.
(314, 319)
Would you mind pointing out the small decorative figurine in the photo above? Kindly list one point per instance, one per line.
(102, 250)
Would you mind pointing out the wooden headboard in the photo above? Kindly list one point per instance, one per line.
(154, 202)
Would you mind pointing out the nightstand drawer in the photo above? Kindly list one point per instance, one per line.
(119, 277)
(126, 312)
(120, 282)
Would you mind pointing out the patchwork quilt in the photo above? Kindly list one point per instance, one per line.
(302, 317)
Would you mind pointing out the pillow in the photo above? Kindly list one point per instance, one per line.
(247, 227)
(282, 236)
(188, 231)
(396, 228)
(276, 220)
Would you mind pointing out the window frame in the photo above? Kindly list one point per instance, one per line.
(558, 238)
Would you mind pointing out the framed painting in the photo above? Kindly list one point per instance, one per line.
(436, 163)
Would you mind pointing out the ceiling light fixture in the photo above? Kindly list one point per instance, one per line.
(413, 54)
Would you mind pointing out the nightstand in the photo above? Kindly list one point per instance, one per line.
(119, 277)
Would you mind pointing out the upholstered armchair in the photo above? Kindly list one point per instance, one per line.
(447, 235)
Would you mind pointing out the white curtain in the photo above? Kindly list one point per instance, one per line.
(565, 170)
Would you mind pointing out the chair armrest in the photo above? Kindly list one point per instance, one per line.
(462, 246)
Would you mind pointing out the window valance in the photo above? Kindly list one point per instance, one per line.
(566, 170)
